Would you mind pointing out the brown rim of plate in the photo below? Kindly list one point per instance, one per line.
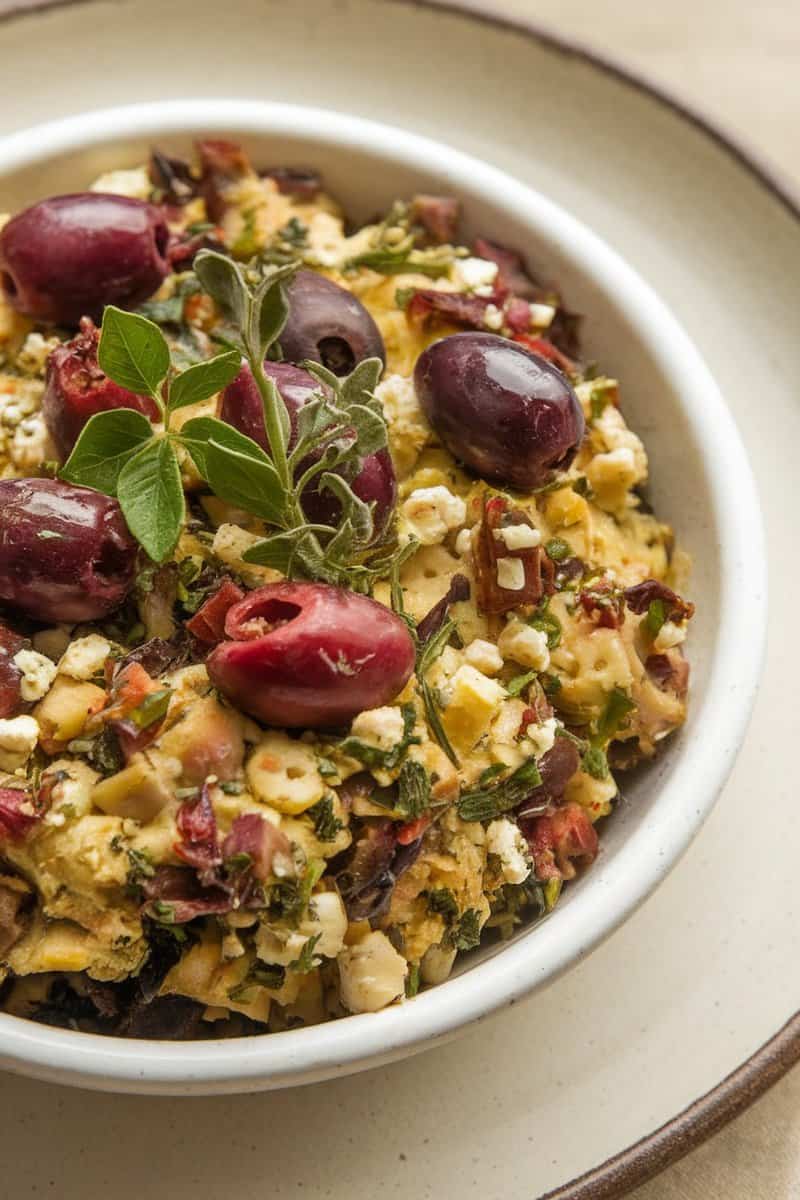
(652, 1154)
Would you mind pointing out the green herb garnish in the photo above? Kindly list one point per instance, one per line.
(614, 717)
(442, 902)
(326, 824)
(305, 960)
(373, 756)
(558, 549)
(467, 934)
(519, 683)
(486, 803)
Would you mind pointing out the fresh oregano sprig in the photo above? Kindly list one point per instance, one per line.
(119, 452)
(122, 454)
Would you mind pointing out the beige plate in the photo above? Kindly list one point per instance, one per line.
(709, 969)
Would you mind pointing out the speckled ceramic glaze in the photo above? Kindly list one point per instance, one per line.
(678, 997)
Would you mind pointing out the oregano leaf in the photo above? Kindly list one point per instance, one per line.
(133, 352)
(151, 498)
(224, 282)
(199, 431)
(107, 441)
(204, 380)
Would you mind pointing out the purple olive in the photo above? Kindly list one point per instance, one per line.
(309, 655)
(65, 551)
(77, 389)
(242, 407)
(504, 411)
(329, 325)
(66, 257)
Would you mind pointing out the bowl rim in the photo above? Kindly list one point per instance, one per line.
(356, 1042)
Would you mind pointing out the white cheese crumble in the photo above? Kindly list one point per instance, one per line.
(134, 183)
(381, 727)
(511, 574)
(474, 273)
(484, 657)
(38, 674)
(525, 645)
(464, 542)
(518, 537)
(85, 657)
(542, 737)
(669, 635)
(542, 315)
(18, 738)
(504, 839)
(493, 317)
(430, 513)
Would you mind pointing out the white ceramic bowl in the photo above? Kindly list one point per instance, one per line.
(701, 482)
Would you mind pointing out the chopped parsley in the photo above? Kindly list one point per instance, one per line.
(467, 934)
(519, 683)
(615, 714)
(152, 709)
(485, 803)
(326, 824)
(442, 902)
(558, 549)
(305, 959)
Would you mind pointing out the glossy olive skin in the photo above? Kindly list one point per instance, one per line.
(65, 551)
(241, 404)
(241, 407)
(507, 413)
(67, 257)
(307, 655)
(329, 325)
(76, 389)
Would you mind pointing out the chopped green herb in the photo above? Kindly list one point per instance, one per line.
(491, 773)
(373, 756)
(402, 296)
(614, 717)
(412, 981)
(326, 825)
(519, 683)
(467, 934)
(305, 960)
(414, 787)
(326, 768)
(547, 622)
(152, 709)
(486, 803)
(655, 617)
(558, 549)
(442, 902)
(595, 763)
(232, 787)
(142, 866)
(551, 684)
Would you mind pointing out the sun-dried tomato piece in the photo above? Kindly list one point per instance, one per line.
(539, 569)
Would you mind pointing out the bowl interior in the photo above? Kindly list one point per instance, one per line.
(666, 394)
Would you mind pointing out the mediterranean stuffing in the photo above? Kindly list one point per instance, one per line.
(331, 603)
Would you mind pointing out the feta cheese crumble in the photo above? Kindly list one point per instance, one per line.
(525, 645)
(430, 513)
(504, 839)
(511, 574)
(38, 673)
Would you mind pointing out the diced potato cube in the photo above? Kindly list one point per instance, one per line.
(139, 791)
(65, 709)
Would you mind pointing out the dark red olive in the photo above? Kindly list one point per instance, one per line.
(65, 551)
(504, 411)
(66, 257)
(311, 656)
(242, 407)
(329, 325)
(77, 389)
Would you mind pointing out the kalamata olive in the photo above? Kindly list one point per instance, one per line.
(65, 552)
(242, 407)
(504, 411)
(66, 257)
(77, 389)
(329, 325)
(309, 655)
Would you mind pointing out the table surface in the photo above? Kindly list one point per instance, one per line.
(737, 62)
